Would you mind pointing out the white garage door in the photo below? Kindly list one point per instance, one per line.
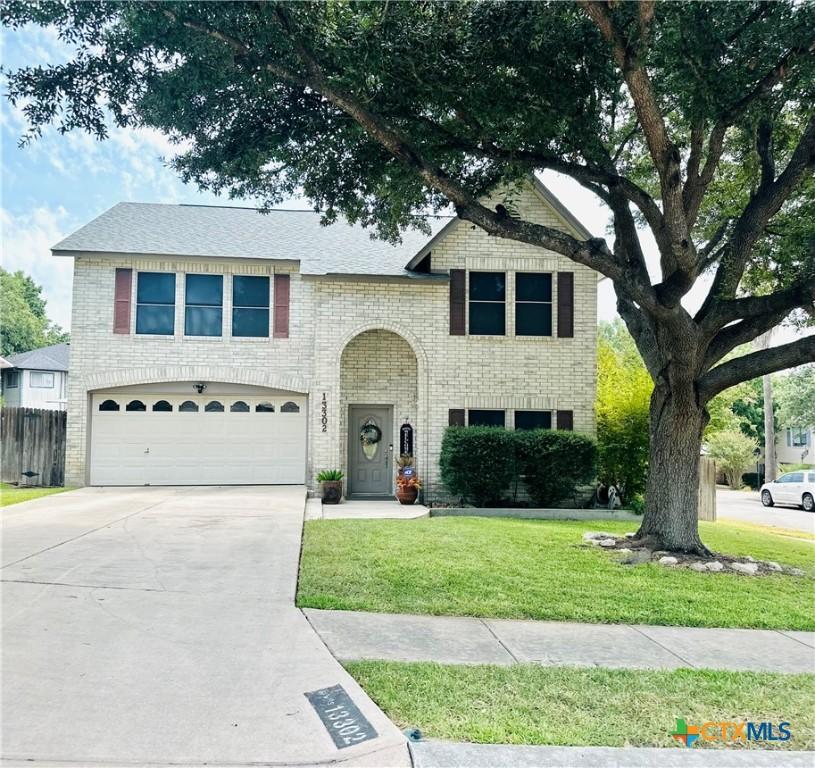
(154, 439)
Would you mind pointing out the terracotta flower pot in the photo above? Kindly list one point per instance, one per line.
(407, 494)
(331, 491)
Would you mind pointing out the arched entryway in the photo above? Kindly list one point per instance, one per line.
(379, 391)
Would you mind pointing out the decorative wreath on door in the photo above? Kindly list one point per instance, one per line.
(370, 434)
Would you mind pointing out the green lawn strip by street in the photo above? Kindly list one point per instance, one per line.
(10, 494)
(530, 704)
(541, 570)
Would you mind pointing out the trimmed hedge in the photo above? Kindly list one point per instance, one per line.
(480, 464)
(554, 463)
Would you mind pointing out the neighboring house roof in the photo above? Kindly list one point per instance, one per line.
(245, 233)
(53, 358)
(4, 363)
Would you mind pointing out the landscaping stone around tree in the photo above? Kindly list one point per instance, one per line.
(750, 569)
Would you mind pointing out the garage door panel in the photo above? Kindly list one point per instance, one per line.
(199, 447)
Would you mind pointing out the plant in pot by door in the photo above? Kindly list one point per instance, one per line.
(408, 486)
(330, 481)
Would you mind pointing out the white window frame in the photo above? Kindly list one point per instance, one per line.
(797, 437)
(31, 379)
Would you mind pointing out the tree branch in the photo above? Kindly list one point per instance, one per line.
(764, 148)
(766, 202)
(756, 364)
(800, 294)
(696, 184)
(587, 175)
(663, 152)
(739, 333)
(641, 331)
(593, 253)
(707, 253)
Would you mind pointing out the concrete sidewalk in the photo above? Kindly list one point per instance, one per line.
(453, 640)
(374, 509)
(442, 754)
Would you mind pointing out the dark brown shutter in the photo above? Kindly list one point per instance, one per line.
(281, 307)
(121, 300)
(565, 304)
(455, 417)
(565, 420)
(458, 299)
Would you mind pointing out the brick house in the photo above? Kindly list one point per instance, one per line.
(216, 345)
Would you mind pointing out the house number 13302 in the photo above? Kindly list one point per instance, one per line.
(324, 414)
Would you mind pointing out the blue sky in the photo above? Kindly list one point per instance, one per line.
(60, 182)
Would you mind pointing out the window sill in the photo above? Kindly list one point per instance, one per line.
(202, 338)
(167, 336)
(509, 337)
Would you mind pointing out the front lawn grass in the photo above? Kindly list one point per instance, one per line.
(530, 704)
(541, 570)
(11, 494)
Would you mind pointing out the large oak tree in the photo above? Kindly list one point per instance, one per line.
(694, 120)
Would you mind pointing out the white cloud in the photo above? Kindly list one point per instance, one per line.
(26, 245)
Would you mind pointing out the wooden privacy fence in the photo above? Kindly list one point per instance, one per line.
(707, 488)
(33, 446)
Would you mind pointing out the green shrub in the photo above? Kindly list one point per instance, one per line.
(637, 504)
(750, 479)
(329, 475)
(733, 452)
(478, 463)
(554, 463)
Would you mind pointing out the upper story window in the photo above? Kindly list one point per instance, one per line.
(12, 379)
(488, 297)
(250, 306)
(155, 303)
(533, 304)
(203, 313)
(42, 379)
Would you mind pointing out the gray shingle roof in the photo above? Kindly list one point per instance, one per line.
(53, 358)
(229, 232)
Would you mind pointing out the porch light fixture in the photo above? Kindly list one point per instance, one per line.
(199, 388)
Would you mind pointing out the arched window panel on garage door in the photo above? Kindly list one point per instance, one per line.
(265, 407)
(135, 405)
(188, 406)
(290, 407)
(239, 407)
(214, 406)
(109, 405)
(162, 406)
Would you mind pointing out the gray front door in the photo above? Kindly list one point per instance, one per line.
(370, 450)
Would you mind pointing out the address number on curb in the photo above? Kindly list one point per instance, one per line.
(340, 716)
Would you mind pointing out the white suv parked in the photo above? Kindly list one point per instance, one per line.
(791, 488)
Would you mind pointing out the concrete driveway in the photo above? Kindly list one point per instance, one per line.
(746, 507)
(157, 626)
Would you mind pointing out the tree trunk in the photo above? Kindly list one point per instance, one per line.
(770, 468)
(671, 495)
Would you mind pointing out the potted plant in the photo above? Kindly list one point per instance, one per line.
(330, 481)
(408, 485)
